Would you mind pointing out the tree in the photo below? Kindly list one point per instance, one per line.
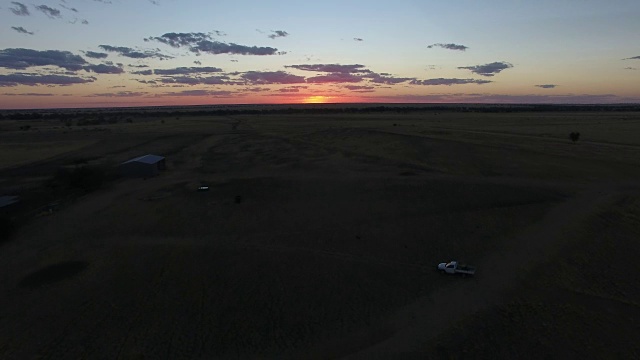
(574, 136)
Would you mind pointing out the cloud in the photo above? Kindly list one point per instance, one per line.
(28, 94)
(52, 13)
(633, 58)
(331, 68)
(278, 33)
(358, 87)
(488, 69)
(134, 54)
(143, 72)
(385, 78)
(104, 69)
(177, 40)
(20, 9)
(546, 86)
(358, 39)
(187, 70)
(209, 80)
(119, 94)
(138, 66)
(96, 55)
(271, 77)
(33, 79)
(448, 82)
(216, 47)
(69, 8)
(630, 68)
(18, 58)
(335, 78)
(449, 46)
(21, 30)
(215, 93)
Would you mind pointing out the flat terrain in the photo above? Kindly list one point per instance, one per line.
(320, 234)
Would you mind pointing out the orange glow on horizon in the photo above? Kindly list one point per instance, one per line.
(317, 99)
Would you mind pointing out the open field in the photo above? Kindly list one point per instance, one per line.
(320, 235)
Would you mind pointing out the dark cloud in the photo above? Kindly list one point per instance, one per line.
(219, 33)
(272, 77)
(449, 82)
(449, 46)
(85, 22)
(386, 78)
(134, 54)
(335, 78)
(35, 79)
(69, 8)
(358, 87)
(331, 68)
(138, 66)
(358, 39)
(208, 80)
(197, 62)
(278, 33)
(104, 69)
(180, 39)
(214, 93)
(19, 58)
(187, 70)
(103, 1)
(143, 72)
(488, 69)
(630, 68)
(546, 86)
(21, 30)
(96, 55)
(20, 9)
(52, 13)
(633, 58)
(28, 94)
(216, 47)
(119, 94)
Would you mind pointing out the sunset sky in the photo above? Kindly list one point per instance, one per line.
(102, 53)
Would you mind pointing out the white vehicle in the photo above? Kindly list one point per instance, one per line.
(453, 268)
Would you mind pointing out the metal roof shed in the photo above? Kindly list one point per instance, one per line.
(143, 166)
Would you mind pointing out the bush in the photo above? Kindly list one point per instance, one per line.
(87, 178)
(574, 136)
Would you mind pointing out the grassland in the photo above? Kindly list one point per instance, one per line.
(320, 234)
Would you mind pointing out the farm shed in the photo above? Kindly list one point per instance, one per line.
(143, 166)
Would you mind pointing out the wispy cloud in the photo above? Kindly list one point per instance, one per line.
(198, 42)
(633, 58)
(271, 77)
(449, 82)
(187, 70)
(358, 39)
(133, 53)
(341, 77)
(488, 69)
(119, 94)
(449, 46)
(52, 13)
(19, 9)
(546, 86)
(278, 33)
(22, 30)
(331, 68)
(212, 93)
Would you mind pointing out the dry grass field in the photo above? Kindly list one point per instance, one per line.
(320, 234)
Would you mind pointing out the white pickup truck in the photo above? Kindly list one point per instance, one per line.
(453, 268)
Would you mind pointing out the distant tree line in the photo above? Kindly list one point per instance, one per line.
(105, 116)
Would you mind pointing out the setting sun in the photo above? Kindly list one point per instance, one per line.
(317, 99)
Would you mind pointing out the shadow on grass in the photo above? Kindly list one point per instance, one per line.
(53, 273)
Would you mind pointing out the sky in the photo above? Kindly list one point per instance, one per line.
(119, 53)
